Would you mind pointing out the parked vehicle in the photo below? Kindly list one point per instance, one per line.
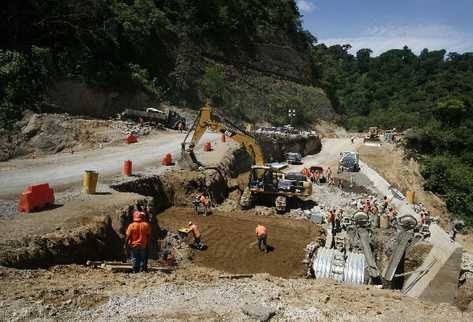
(294, 158)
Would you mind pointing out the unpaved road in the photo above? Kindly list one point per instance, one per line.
(64, 169)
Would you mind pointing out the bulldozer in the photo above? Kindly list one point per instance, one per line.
(373, 137)
(264, 180)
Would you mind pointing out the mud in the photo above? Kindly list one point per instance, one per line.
(231, 241)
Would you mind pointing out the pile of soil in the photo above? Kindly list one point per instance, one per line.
(232, 246)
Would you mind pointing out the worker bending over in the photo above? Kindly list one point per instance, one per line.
(196, 234)
(137, 238)
(261, 237)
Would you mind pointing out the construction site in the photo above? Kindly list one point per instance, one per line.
(349, 233)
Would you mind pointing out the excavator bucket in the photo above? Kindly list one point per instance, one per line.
(188, 160)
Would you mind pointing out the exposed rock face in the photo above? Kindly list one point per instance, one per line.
(75, 97)
(275, 147)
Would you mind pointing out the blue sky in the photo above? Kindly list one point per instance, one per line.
(386, 24)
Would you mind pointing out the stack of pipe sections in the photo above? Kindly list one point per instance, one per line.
(346, 268)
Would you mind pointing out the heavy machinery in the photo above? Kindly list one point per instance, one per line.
(373, 137)
(349, 161)
(264, 180)
(171, 119)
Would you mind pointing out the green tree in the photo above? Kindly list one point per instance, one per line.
(212, 83)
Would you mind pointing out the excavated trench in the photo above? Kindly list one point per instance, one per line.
(93, 234)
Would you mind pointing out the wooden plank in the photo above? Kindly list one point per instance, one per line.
(236, 276)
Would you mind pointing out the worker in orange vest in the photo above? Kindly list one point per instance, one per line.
(137, 238)
(196, 234)
(261, 237)
(306, 172)
(204, 201)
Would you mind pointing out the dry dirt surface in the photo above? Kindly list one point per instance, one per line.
(232, 246)
(76, 293)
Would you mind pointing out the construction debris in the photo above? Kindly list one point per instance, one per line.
(120, 267)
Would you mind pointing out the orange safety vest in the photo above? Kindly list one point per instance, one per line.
(195, 231)
(261, 230)
(204, 200)
(137, 234)
(330, 217)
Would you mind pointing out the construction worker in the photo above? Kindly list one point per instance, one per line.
(392, 213)
(261, 237)
(328, 174)
(385, 204)
(338, 220)
(367, 206)
(204, 202)
(331, 220)
(317, 177)
(137, 238)
(196, 234)
(306, 172)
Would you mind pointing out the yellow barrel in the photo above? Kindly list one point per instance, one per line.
(89, 182)
(410, 196)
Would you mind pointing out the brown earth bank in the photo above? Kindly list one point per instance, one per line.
(71, 233)
(231, 241)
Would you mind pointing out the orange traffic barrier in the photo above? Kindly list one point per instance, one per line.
(36, 197)
(131, 139)
(127, 168)
(224, 138)
(207, 147)
(167, 160)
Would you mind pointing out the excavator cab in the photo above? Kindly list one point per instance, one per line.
(263, 179)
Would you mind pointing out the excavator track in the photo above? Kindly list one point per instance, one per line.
(246, 199)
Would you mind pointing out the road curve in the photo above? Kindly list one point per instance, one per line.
(65, 169)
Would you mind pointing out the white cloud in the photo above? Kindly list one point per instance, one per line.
(306, 6)
(416, 37)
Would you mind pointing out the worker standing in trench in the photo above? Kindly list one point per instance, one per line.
(137, 238)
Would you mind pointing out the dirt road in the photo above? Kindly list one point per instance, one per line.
(64, 169)
(329, 155)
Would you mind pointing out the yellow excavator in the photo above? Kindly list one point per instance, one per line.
(264, 180)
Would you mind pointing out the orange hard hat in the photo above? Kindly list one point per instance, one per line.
(138, 216)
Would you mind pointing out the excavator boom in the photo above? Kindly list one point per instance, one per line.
(208, 119)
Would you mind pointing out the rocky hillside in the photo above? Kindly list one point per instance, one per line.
(98, 57)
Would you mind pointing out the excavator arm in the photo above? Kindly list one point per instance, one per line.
(210, 120)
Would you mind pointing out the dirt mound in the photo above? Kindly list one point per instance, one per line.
(232, 243)
(73, 233)
(177, 188)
